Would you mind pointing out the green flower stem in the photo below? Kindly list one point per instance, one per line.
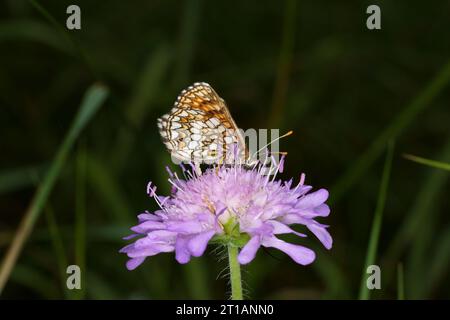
(235, 273)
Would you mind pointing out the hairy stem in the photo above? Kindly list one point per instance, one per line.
(235, 273)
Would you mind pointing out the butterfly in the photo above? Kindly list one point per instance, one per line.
(199, 128)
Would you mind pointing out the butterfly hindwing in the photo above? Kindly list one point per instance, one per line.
(199, 128)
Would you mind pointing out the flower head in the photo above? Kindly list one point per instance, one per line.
(229, 204)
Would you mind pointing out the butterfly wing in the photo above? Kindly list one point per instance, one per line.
(199, 128)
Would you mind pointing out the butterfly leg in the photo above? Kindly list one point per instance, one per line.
(198, 170)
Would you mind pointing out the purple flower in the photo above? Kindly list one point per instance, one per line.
(229, 204)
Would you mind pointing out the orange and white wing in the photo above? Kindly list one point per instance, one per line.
(199, 128)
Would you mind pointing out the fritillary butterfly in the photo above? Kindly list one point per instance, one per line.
(199, 128)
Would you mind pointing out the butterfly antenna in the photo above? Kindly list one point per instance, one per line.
(274, 140)
(283, 153)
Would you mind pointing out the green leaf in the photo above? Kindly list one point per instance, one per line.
(364, 292)
(92, 101)
(30, 30)
(400, 283)
(428, 162)
(402, 121)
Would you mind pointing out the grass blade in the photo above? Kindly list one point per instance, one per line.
(15, 179)
(364, 292)
(400, 283)
(66, 35)
(332, 275)
(439, 264)
(92, 101)
(35, 280)
(141, 102)
(428, 162)
(423, 211)
(110, 191)
(403, 120)
(57, 244)
(80, 216)
(30, 30)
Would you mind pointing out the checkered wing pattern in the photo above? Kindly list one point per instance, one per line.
(199, 128)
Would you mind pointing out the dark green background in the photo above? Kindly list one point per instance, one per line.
(309, 66)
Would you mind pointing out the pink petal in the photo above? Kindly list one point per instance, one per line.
(197, 244)
(150, 250)
(186, 227)
(281, 228)
(182, 254)
(248, 253)
(131, 236)
(298, 253)
(127, 248)
(148, 226)
(313, 199)
(321, 233)
(323, 210)
(148, 216)
(134, 263)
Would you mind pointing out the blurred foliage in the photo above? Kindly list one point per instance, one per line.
(309, 66)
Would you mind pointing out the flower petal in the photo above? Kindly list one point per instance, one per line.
(197, 244)
(323, 210)
(299, 254)
(199, 207)
(321, 233)
(127, 248)
(260, 198)
(131, 236)
(134, 263)
(248, 252)
(150, 250)
(281, 228)
(147, 226)
(313, 199)
(182, 253)
(185, 227)
(148, 216)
